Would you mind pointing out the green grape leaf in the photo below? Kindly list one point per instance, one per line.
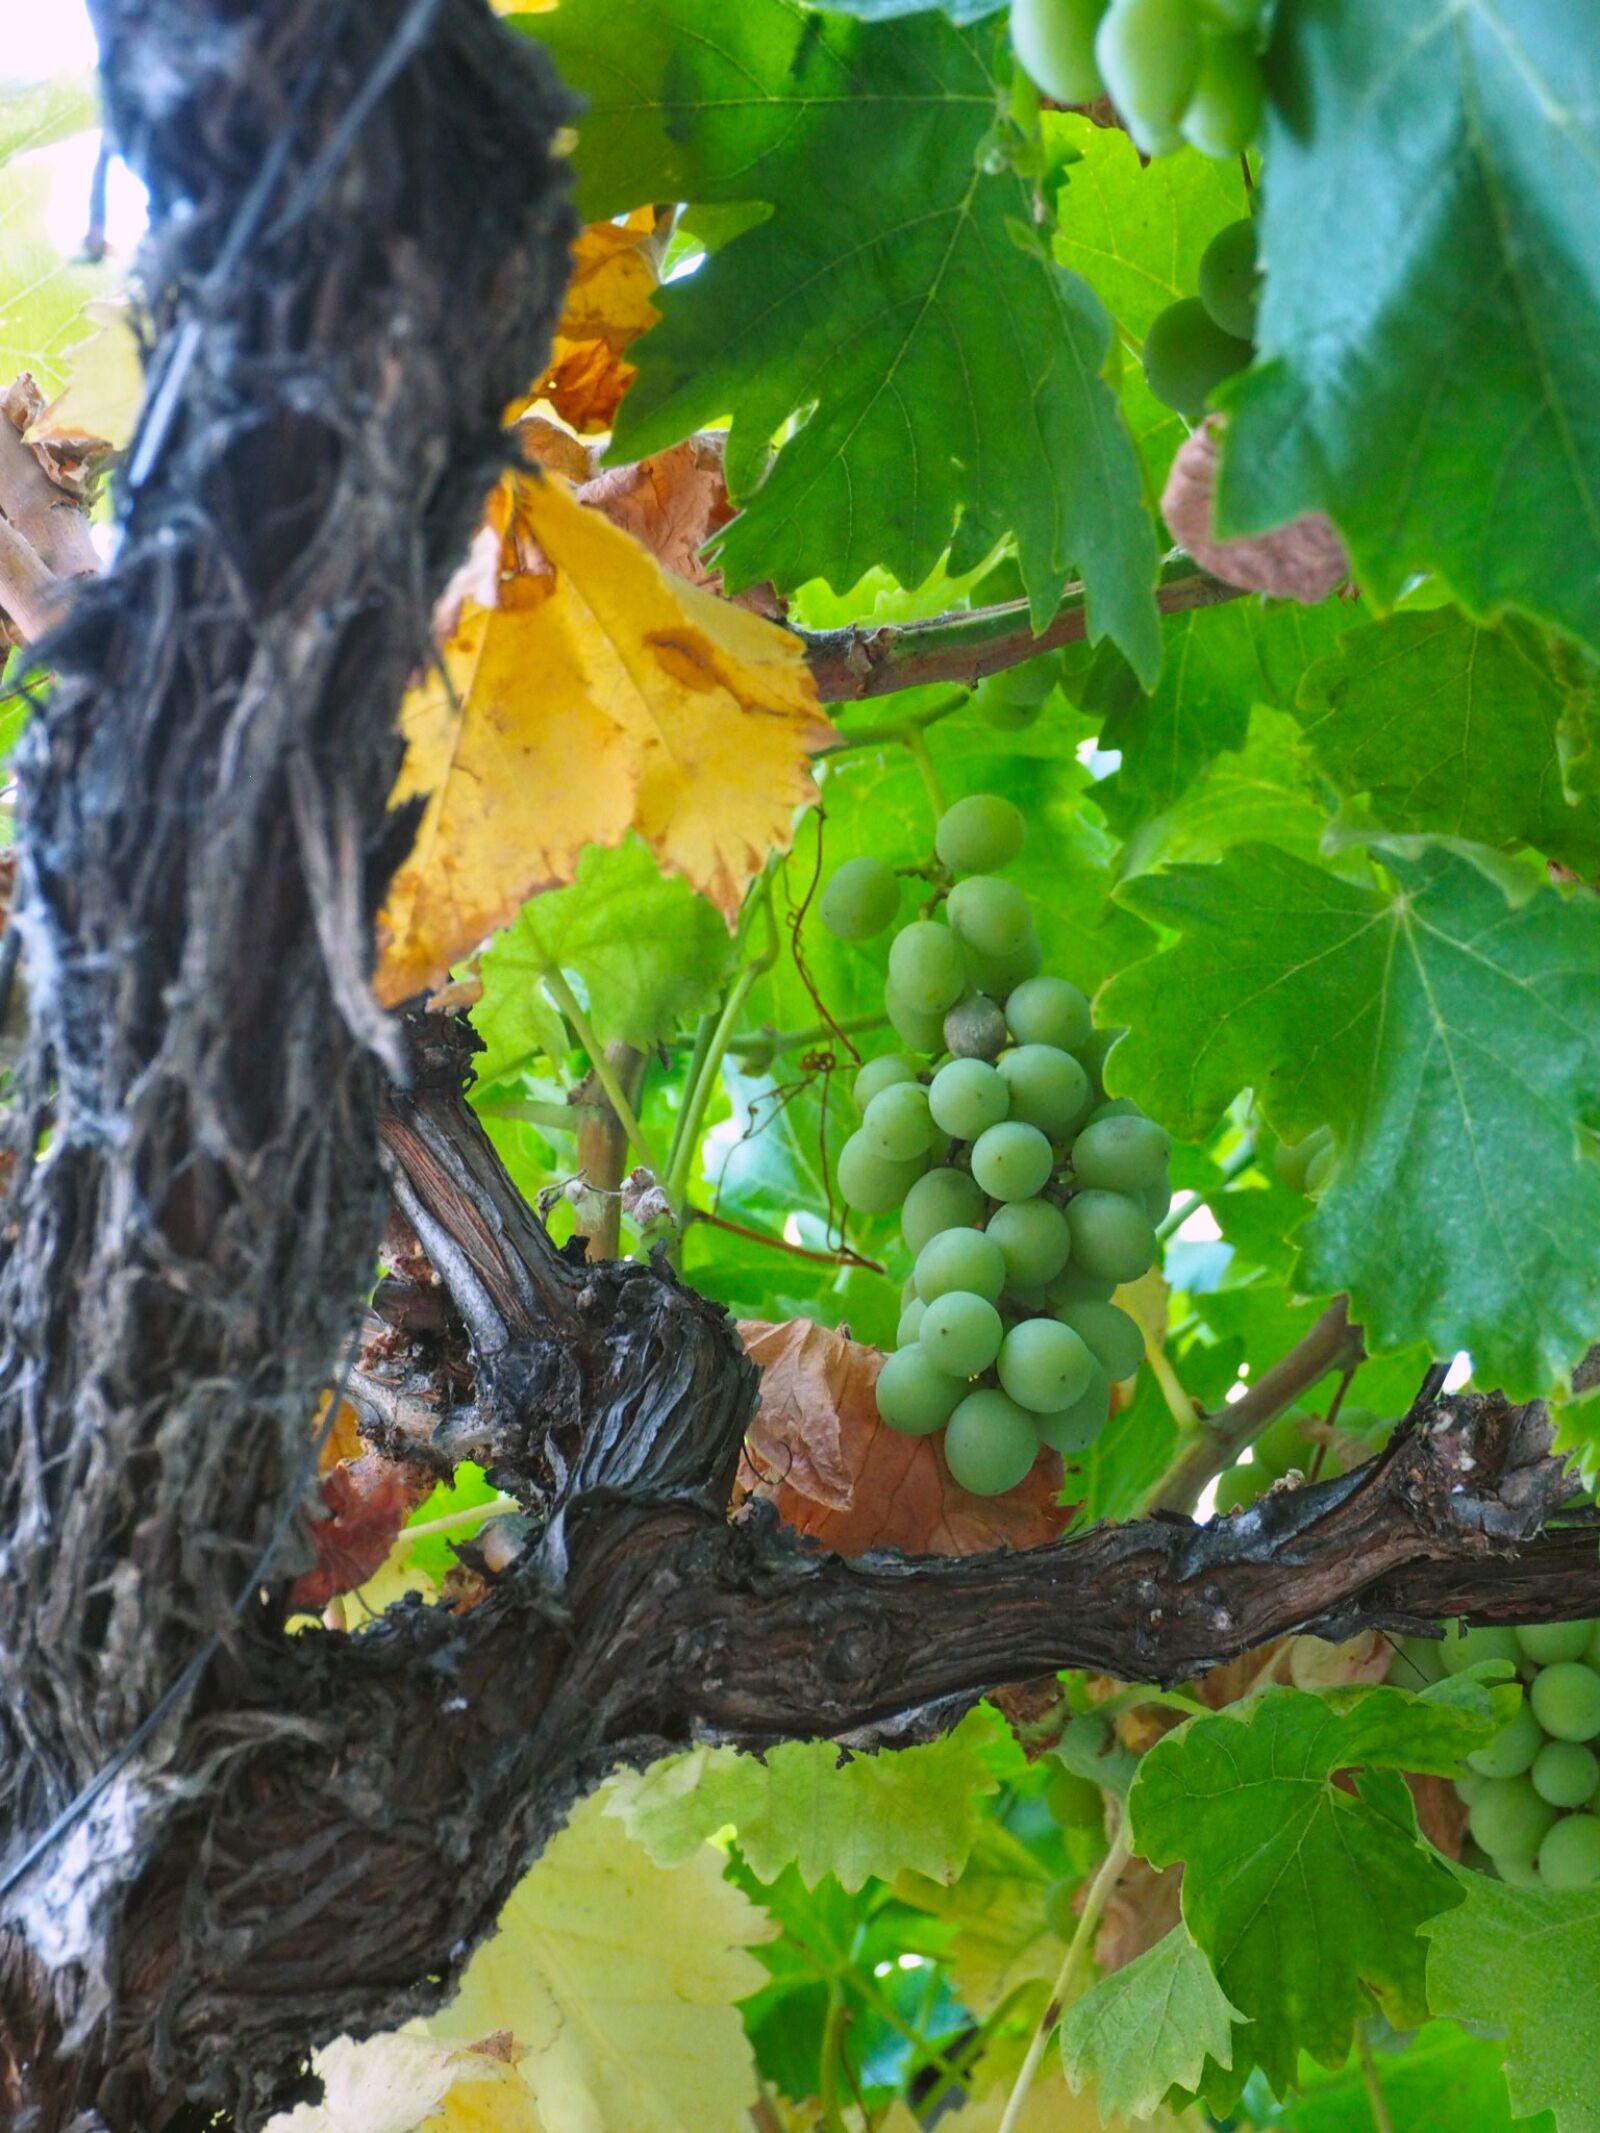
(1306, 1897)
(1256, 793)
(1526, 1963)
(43, 297)
(1135, 230)
(1428, 319)
(952, 376)
(1467, 1065)
(1450, 727)
(1434, 2077)
(888, 10)
(619, 1981)
(908, 1809)
(647, 952)
(1149, 2027)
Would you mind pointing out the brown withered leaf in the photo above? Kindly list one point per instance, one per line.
(818, 1450)
(615, 273)
(1441, 1811)
(672, 502)
(1142, 1909)
(368, 1500)
(1303, 560)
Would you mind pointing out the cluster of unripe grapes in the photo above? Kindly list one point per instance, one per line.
(1025, 1196)
(1531, 1793)
(1198, 341)
(1176, 70)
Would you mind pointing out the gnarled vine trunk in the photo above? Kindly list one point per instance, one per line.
(222, 1844)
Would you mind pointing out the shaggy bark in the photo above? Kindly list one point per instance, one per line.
(364, 245)
(360, 254)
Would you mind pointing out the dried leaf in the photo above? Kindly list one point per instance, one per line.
(599, 692)
(1142, 1909)
(1303, 560)
(607, 306)
(368, 1501)
(819, 1451)
(673, 502)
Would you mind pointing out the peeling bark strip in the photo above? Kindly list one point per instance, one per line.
(360, 245)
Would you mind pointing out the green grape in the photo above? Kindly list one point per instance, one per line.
(1593, 1653)
(1320, 1169)
(1049, 1089)
(989, 914)
(1054, 41)
(1477, 1645)
(1224, 112)
(1469, 1785)
(1049, 1011)
(999, 975)
(1034, 1239)
(1113, 1107)
(1292, 1159)
(1059, 1912)
(917, 1027)
(1414, 1662)
(1228, 277)
(967, 1097)
(880, 1074)
(1111, 1236)
(1120, 1154)
(1015, 696)
(1111, 1336)
(960, 1259)
(896, 1124)
(961, 1333)
(979, 834)
(1075, 1284)
(975, 1028)
(870, 1183)
(989, 1444)
(914, 1396)
(944, 1199)
(1187, 355)
(910, 1323)
(1071, 1428)
(1549, 1642)
(1565, 1773)
(1092, 1052)
(1148, 53)
(1233, 14)
(1012, 1161)
(1569, 1857)
(1509, 1819)
(1045, 1366)
(1518, 1873)
(1283, 1447)
(1513, 1748)
(1156, 1199)
(1239, 1486)
(1566, 1701)
(1074, 1802)
(860, 899)
(926, 968)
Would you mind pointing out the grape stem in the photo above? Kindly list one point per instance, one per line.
(1377, 2102)
(917, 748)
(1105, 1880)
(1332, 1343)
(866, 660)
(711, 1048)
(1183, 1207)
(604, 1073)
(843, 1257)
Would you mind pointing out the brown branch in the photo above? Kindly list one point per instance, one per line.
(1332, 1343)
(603, 1151)
(863, 660)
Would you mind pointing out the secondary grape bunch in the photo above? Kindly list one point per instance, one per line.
(1198, 341)
(1533, 1793)
(1176, 70)
(1025, 1195)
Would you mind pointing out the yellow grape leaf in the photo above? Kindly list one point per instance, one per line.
(607, 306)
(404, 2083)
(105, 382)
(619, 1979)
(600, 693)
(1051, 2107)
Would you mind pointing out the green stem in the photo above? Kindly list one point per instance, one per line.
(697, 1060)
(890, 731)
(957, 2068)
(561, 1118)
(561, 992)
(1066, 1978)
(779, 1041)
(832, 2045)
(917, 748)
(1377, 2102)
(708, 1066)
(1180, 1210)
(475, 1514)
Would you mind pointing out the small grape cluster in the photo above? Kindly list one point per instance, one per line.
(1198, 341)
(1176, 70)
(1531, 1793)
(1025, 1195)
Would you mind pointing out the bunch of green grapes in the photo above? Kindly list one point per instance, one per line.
(1197, 342)
(1531, 1794)
(1176, 70)
(1025, 1196)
